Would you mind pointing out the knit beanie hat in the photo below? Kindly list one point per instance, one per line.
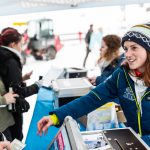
(139, 34)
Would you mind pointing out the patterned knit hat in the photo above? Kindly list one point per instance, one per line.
(139, 34)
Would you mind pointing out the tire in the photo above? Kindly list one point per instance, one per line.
(51, 53)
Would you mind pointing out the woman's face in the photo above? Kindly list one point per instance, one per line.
(135, 55)
(103, 48)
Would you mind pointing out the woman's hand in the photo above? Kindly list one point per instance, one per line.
(92, 80)
(10, 97)
(5, 145)
(44, 124)
(27, 76)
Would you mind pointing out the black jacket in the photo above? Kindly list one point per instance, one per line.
(11, 71)
(88, 36)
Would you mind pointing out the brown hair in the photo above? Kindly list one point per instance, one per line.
(9, 35)
(146, 74)
(113, 43)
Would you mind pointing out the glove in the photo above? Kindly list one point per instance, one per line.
(39, 83)
(21, 105)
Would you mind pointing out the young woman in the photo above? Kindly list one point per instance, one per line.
(109, 58)
(11, 73)
(6, 117)
(130, 83)
(87, 42)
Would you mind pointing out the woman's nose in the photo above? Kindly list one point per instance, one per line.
(128, 53)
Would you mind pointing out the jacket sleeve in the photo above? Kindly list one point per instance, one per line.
(104, 76)
(2, 100)
(2, 92)
(30, 90)
(109, 70)
(102, 94)
(14, 75)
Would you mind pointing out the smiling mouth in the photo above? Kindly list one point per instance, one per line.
(131, 60)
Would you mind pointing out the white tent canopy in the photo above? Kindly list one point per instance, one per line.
(12, 7)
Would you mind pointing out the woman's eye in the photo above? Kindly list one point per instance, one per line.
(134, 48)
(125, 49)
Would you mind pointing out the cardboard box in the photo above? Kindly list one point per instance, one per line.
(120, 114)
(121, 117)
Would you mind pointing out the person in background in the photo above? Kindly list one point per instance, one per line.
(6, 117)
(96, 39)
(130, 83)
(109, 58)
(87, 42)
(11, 74)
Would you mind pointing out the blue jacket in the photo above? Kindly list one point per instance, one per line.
(120, 85)
(109, 69)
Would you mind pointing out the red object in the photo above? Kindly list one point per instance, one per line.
(137, 73)
(28, 52)
(25, 37)
(80, 36)
(58, 44)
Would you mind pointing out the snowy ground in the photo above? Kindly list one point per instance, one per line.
(71, 55)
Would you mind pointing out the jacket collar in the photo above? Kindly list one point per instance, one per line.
(18, 54)
(131, 82)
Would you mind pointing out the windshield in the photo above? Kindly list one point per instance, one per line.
(46, 28)
(40, 28)
(33, 29)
